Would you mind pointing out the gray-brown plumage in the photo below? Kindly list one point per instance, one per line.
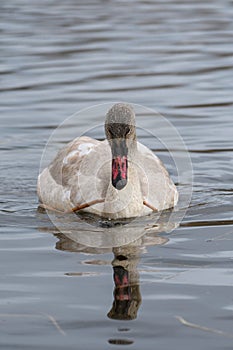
(119, 177)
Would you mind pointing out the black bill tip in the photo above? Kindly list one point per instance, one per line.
(120, 184)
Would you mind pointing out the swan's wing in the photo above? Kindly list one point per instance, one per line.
(157, 187)
(90, 180)
(68, 160)
(72, 178)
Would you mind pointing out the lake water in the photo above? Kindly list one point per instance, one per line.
(58, 57)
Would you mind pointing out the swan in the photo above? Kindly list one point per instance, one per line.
(115, 178)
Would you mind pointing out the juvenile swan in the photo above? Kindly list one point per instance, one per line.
(115, 178)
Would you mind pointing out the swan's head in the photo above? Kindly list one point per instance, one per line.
(121, 134)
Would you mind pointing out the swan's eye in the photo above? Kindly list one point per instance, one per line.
(110, 132)
(127, 130)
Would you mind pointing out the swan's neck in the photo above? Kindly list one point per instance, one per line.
(133, 150)
(127, 202)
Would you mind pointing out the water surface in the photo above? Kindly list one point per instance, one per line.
(59, 57)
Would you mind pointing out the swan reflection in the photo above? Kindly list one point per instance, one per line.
(127, 296)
